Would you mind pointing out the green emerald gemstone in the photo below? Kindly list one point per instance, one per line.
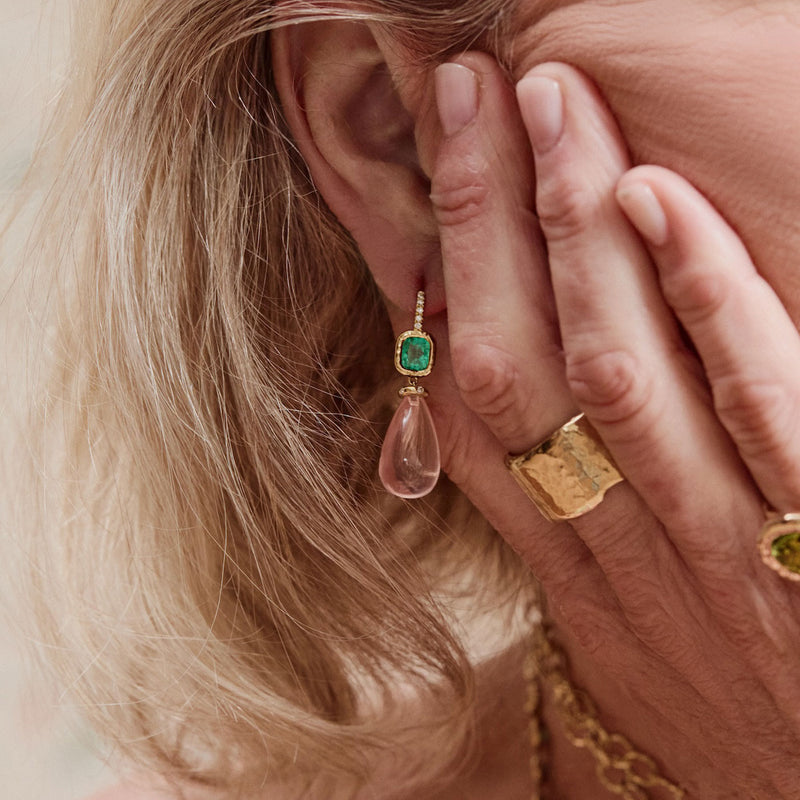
(786, 551)
(415, 354)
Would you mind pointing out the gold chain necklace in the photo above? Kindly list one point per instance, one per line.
(620, 767)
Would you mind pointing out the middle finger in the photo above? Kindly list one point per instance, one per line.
(626, 365)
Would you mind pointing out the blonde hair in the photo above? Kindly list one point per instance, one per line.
(220, 580)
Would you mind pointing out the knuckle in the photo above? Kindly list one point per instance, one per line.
(593, 626)
(611, 384)
(458, 198)
(485, 376)
(650, 616)
(566, 210)
(757, 413)
(696, 296)
(590, 632)
(649, 610)
(641, 600)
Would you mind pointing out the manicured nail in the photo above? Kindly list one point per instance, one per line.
(542, 106)
(641, 205)
(456, 97)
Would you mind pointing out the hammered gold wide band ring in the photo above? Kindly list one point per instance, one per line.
(568, 473)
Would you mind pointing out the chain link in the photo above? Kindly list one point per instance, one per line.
(621, 768)
(536, 730)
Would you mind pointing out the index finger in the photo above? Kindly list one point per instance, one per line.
(504, 344)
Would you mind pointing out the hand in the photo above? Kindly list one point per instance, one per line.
(660, 329)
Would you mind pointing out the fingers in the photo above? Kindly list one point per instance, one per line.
(626, 365)
(504, 346)
(747, 342)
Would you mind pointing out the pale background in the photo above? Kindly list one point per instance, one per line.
(45, 753)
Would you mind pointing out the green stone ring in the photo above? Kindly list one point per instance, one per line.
(779, 545)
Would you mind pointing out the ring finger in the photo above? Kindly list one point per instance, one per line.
(746, 339)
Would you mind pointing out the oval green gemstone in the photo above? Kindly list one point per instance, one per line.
(786, 551)
(415, 354)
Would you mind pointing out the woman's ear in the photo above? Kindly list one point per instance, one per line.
(358, 139)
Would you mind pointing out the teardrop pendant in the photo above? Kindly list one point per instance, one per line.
(410, 462)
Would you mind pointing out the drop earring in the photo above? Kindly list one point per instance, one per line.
(410, 462)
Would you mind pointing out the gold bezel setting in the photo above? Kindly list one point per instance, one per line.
(415, 334)
(776, 528)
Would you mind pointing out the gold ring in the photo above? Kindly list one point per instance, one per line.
(779, 545)
(568, 473)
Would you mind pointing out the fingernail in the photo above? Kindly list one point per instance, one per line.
(542, 106)
(456, 97)
(644, 211)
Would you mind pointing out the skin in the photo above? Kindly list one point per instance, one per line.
(551, 290)
(672, 620)
(687, 642)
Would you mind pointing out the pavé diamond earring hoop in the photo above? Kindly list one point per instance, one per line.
(410, 462)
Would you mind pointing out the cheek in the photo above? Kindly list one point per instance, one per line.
(727, 121)
(711, 96)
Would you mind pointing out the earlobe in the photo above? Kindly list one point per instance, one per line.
(358, 140)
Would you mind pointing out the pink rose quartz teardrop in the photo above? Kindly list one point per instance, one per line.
(410, 463)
